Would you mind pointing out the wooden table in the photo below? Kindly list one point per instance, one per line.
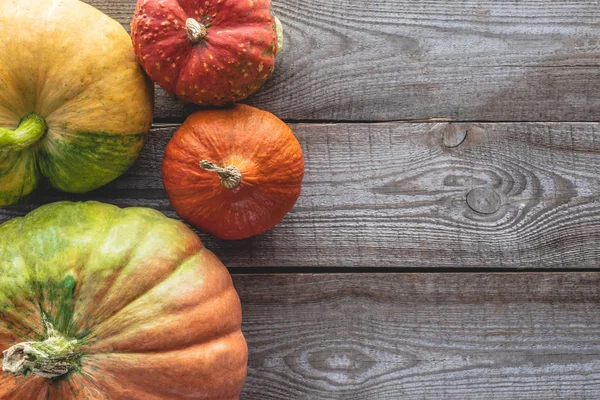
(447, 240)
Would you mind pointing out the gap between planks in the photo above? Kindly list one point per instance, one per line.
(400, 270)
(175, 124)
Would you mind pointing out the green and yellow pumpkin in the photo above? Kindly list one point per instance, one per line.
(103, 303)
(75, 106)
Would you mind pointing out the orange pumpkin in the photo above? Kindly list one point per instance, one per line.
(103, 303)
(233, 173)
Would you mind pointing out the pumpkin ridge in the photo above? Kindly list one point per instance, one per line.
(148, 395)
(99, 80)
(116, 364)
(81, 334)
(31, 271)
(90, 352)
(167, 321)
(12, 168)
(73, 300)
(188, 56)
(75, 97)
(259, 13)
(16, 319)
(56, 389)
(89, 330)
(40, 386)
(139, 389)
(108, 320)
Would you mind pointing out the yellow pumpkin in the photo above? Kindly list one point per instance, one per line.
(75, 106)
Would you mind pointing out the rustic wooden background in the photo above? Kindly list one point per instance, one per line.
(447, 240)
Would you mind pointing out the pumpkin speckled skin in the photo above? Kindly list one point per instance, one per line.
(231, 62)
(154, 314)
(259, 145)
(74, 67)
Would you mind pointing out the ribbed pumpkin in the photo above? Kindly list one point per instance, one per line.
(75, 106)
(233, 173)
(103, 303)
(209, 52)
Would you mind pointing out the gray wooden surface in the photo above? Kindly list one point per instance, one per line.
(456, 204)
(422, 336)
(492, 60)
(395, 195)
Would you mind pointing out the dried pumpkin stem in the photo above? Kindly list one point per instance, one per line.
(195, 30)
(231, 177)
(279, 30)
(51, 358)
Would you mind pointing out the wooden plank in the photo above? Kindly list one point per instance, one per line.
(530, 60)
(395, 195)
(422, 336)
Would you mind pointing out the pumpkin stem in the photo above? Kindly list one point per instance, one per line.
(195, 30)
(30, 130)
(54, 357)
(231, 177)
(279, 30)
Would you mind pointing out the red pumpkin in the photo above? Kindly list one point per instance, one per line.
(209, 52)
(233, 173)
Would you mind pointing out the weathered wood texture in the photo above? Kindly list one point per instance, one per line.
(531, 60)
(395, 195)
(422, 336)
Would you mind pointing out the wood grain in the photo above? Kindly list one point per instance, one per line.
(530, 60)
(422, 336)
(395, 195)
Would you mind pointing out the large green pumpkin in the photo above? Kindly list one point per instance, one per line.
(103, 303)
(74, 104)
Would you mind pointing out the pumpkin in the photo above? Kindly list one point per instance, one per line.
(99, 302)
(209, 52)
(233, 173)
(75, 106)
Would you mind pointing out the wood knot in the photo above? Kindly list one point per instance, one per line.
(454, 135)
(483, 200)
